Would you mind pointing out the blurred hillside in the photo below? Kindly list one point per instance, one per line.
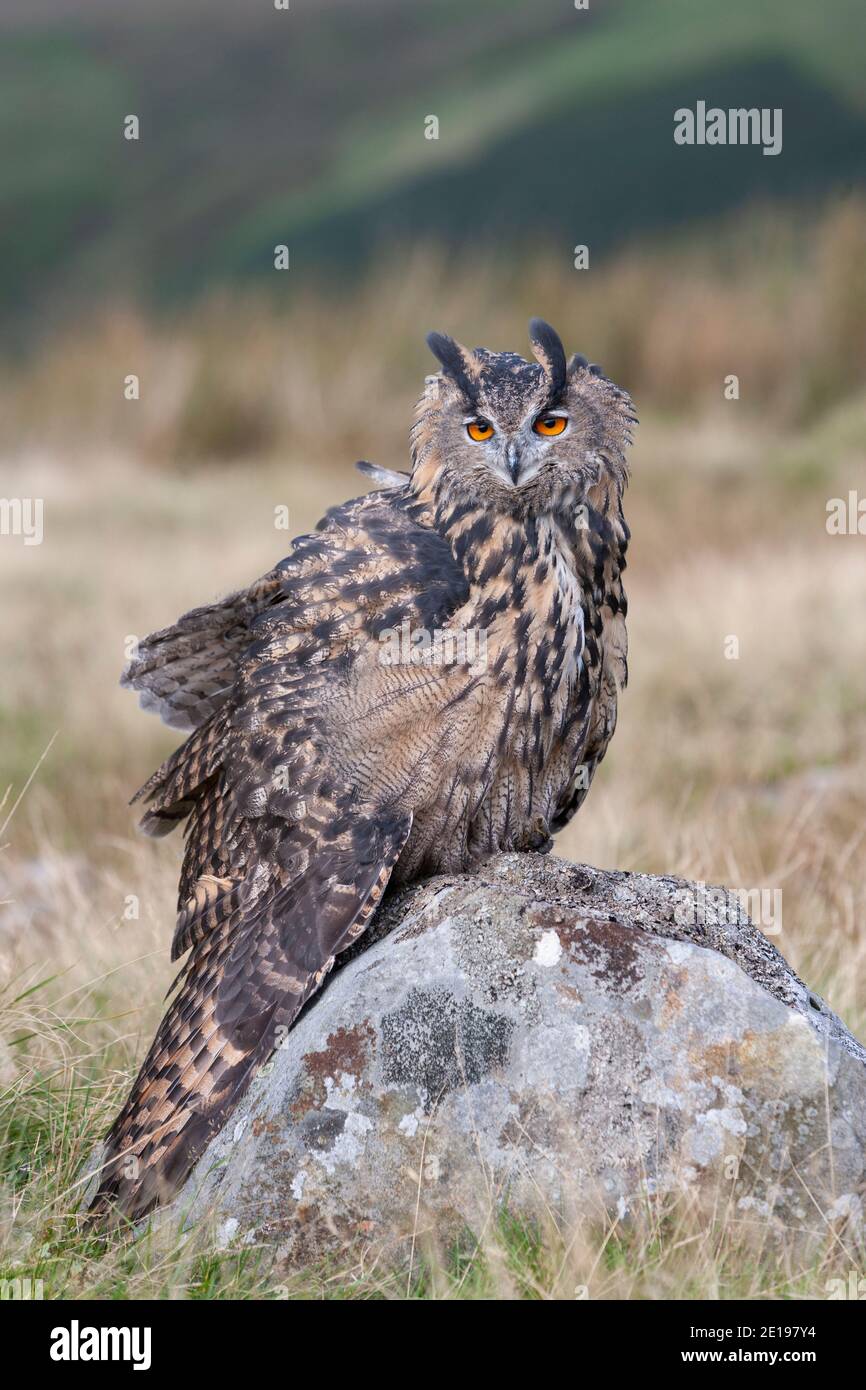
(306, 127)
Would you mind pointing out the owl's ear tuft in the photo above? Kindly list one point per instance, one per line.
(456, 363)
(548, 349)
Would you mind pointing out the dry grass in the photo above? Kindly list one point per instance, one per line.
(319, 372)
(749, 771)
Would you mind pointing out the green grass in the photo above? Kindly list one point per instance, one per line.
(666, 1249)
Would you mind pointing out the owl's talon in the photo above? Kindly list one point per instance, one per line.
(538, 837)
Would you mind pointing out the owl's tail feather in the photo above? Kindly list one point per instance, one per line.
(242, 988)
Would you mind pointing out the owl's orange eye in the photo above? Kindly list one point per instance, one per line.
(479, 429)
(550, 424)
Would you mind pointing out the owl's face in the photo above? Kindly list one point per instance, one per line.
(517, 436)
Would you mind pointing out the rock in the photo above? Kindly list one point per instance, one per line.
(553, 1037)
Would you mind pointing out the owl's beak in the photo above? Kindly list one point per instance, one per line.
(513, 457)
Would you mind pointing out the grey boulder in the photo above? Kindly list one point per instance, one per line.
(552, 1038)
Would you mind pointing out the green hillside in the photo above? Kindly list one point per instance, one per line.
(307, 127)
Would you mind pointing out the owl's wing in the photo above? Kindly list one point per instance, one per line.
(285, 862)
(185, 673)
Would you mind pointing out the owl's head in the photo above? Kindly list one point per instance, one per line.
(495, 430)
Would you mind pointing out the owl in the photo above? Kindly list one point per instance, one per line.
(429, 678)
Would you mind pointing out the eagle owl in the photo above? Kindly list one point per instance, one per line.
(319, 767)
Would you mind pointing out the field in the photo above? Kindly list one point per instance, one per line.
(748, 769)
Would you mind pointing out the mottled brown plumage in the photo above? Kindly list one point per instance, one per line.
(319, 767)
